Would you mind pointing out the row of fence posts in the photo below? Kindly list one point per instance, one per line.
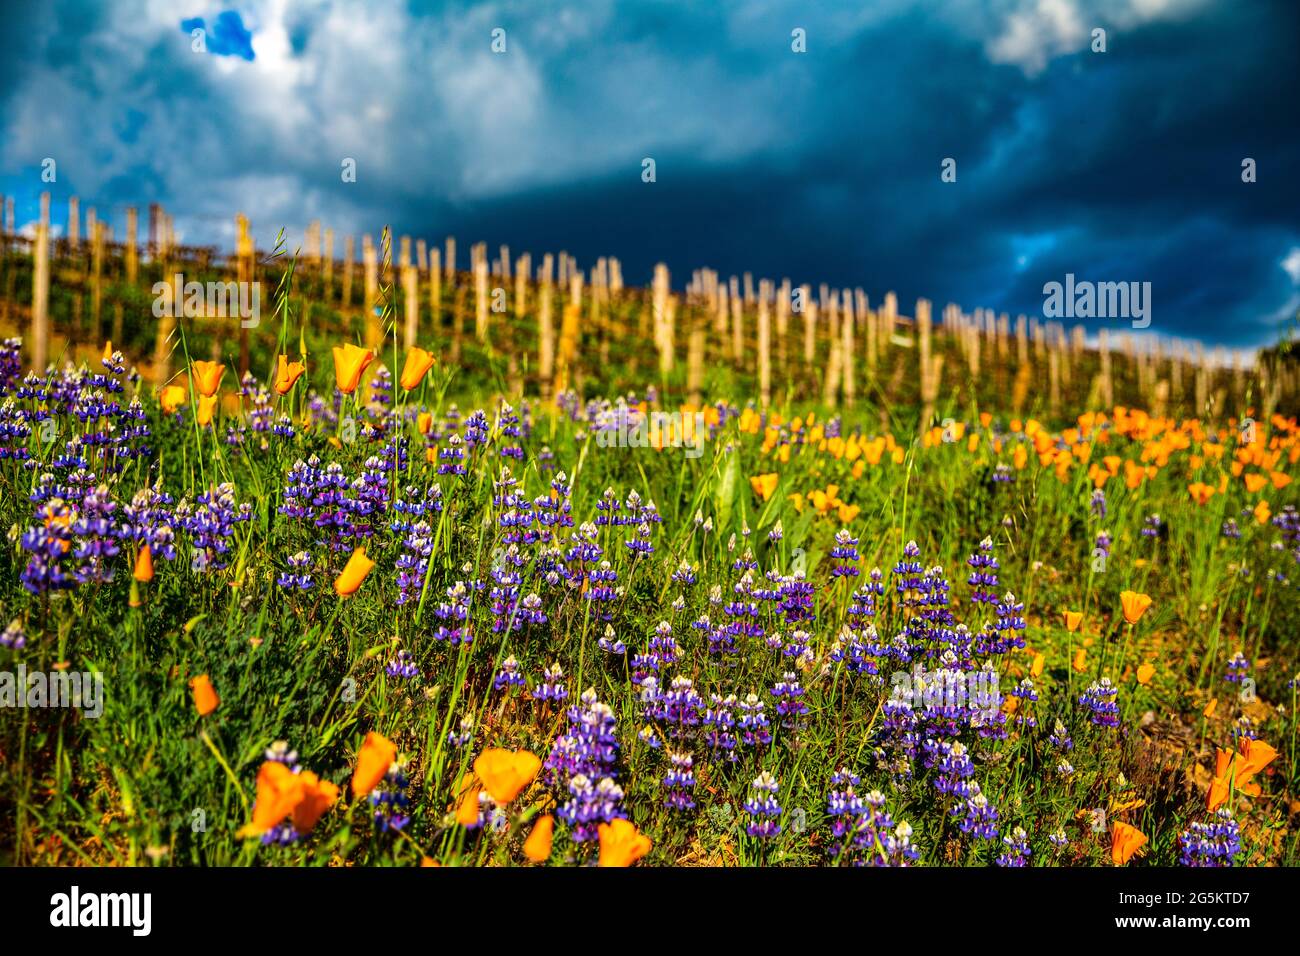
(839, 326)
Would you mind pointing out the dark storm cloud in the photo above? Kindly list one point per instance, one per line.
(820, 167)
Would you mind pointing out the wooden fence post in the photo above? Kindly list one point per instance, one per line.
(41, 289)
(370, 298)
(132, 251)
(545, 334)
(411, 291)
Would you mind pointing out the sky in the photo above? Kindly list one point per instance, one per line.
(824, 165)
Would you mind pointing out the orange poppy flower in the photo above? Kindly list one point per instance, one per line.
(424, 421)
(467, 809)
(1135, 604)
(376, 755)
(538, 845)
(1262, 512)
(207, 405)
(172, 397)
(354, 572)
(764, 485)
(317, 797)
(207, 377)
(1210, 707)
(1036, 669)
(108, 351)
(1200, 492)
(848, 512)
(349, 362)
(143, 565)
(1256, 755)
(1072, 620)
(1125, 840)
(1280, 479)
(289, 373)
(1145, 673)
(1255, 482)
(205, 698)
(505, 773)
(1080, 662)
(418, 363)
(279, 791)
(622, 844)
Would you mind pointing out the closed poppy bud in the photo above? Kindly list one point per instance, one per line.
(1080, 660)
(317, 797)
(1072, 620)
(418, 363)
(424, 421)
(1036, 669)
(349, 362)
(144, 565)
(376, 755)
(1134, 604)
(289, 372)
(207, 377)
(354, 572)
(505, 773)
(538, 845)
(205, 698)
(1210, 707)
(1145, 673)
(207, 404)
(622, 844)
(172, 397)
(108, 351)
(1125, 840)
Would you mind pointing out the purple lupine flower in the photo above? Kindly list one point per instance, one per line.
(299, 573)
(551, 687)
(845, 555)
(978, 816)
(1017, 852)
(1211, 844)
(789, 699)
(390, 803)
(763, 808)
(13, 638)
(1238, 668)
(720, 719)
(1100, 701)
(755, 730)
(1060, 738)
(862, 831)
(403, 666)
(679, 782)
(1098, 503)
(587, 750)
(509, 675)
(984, 574)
